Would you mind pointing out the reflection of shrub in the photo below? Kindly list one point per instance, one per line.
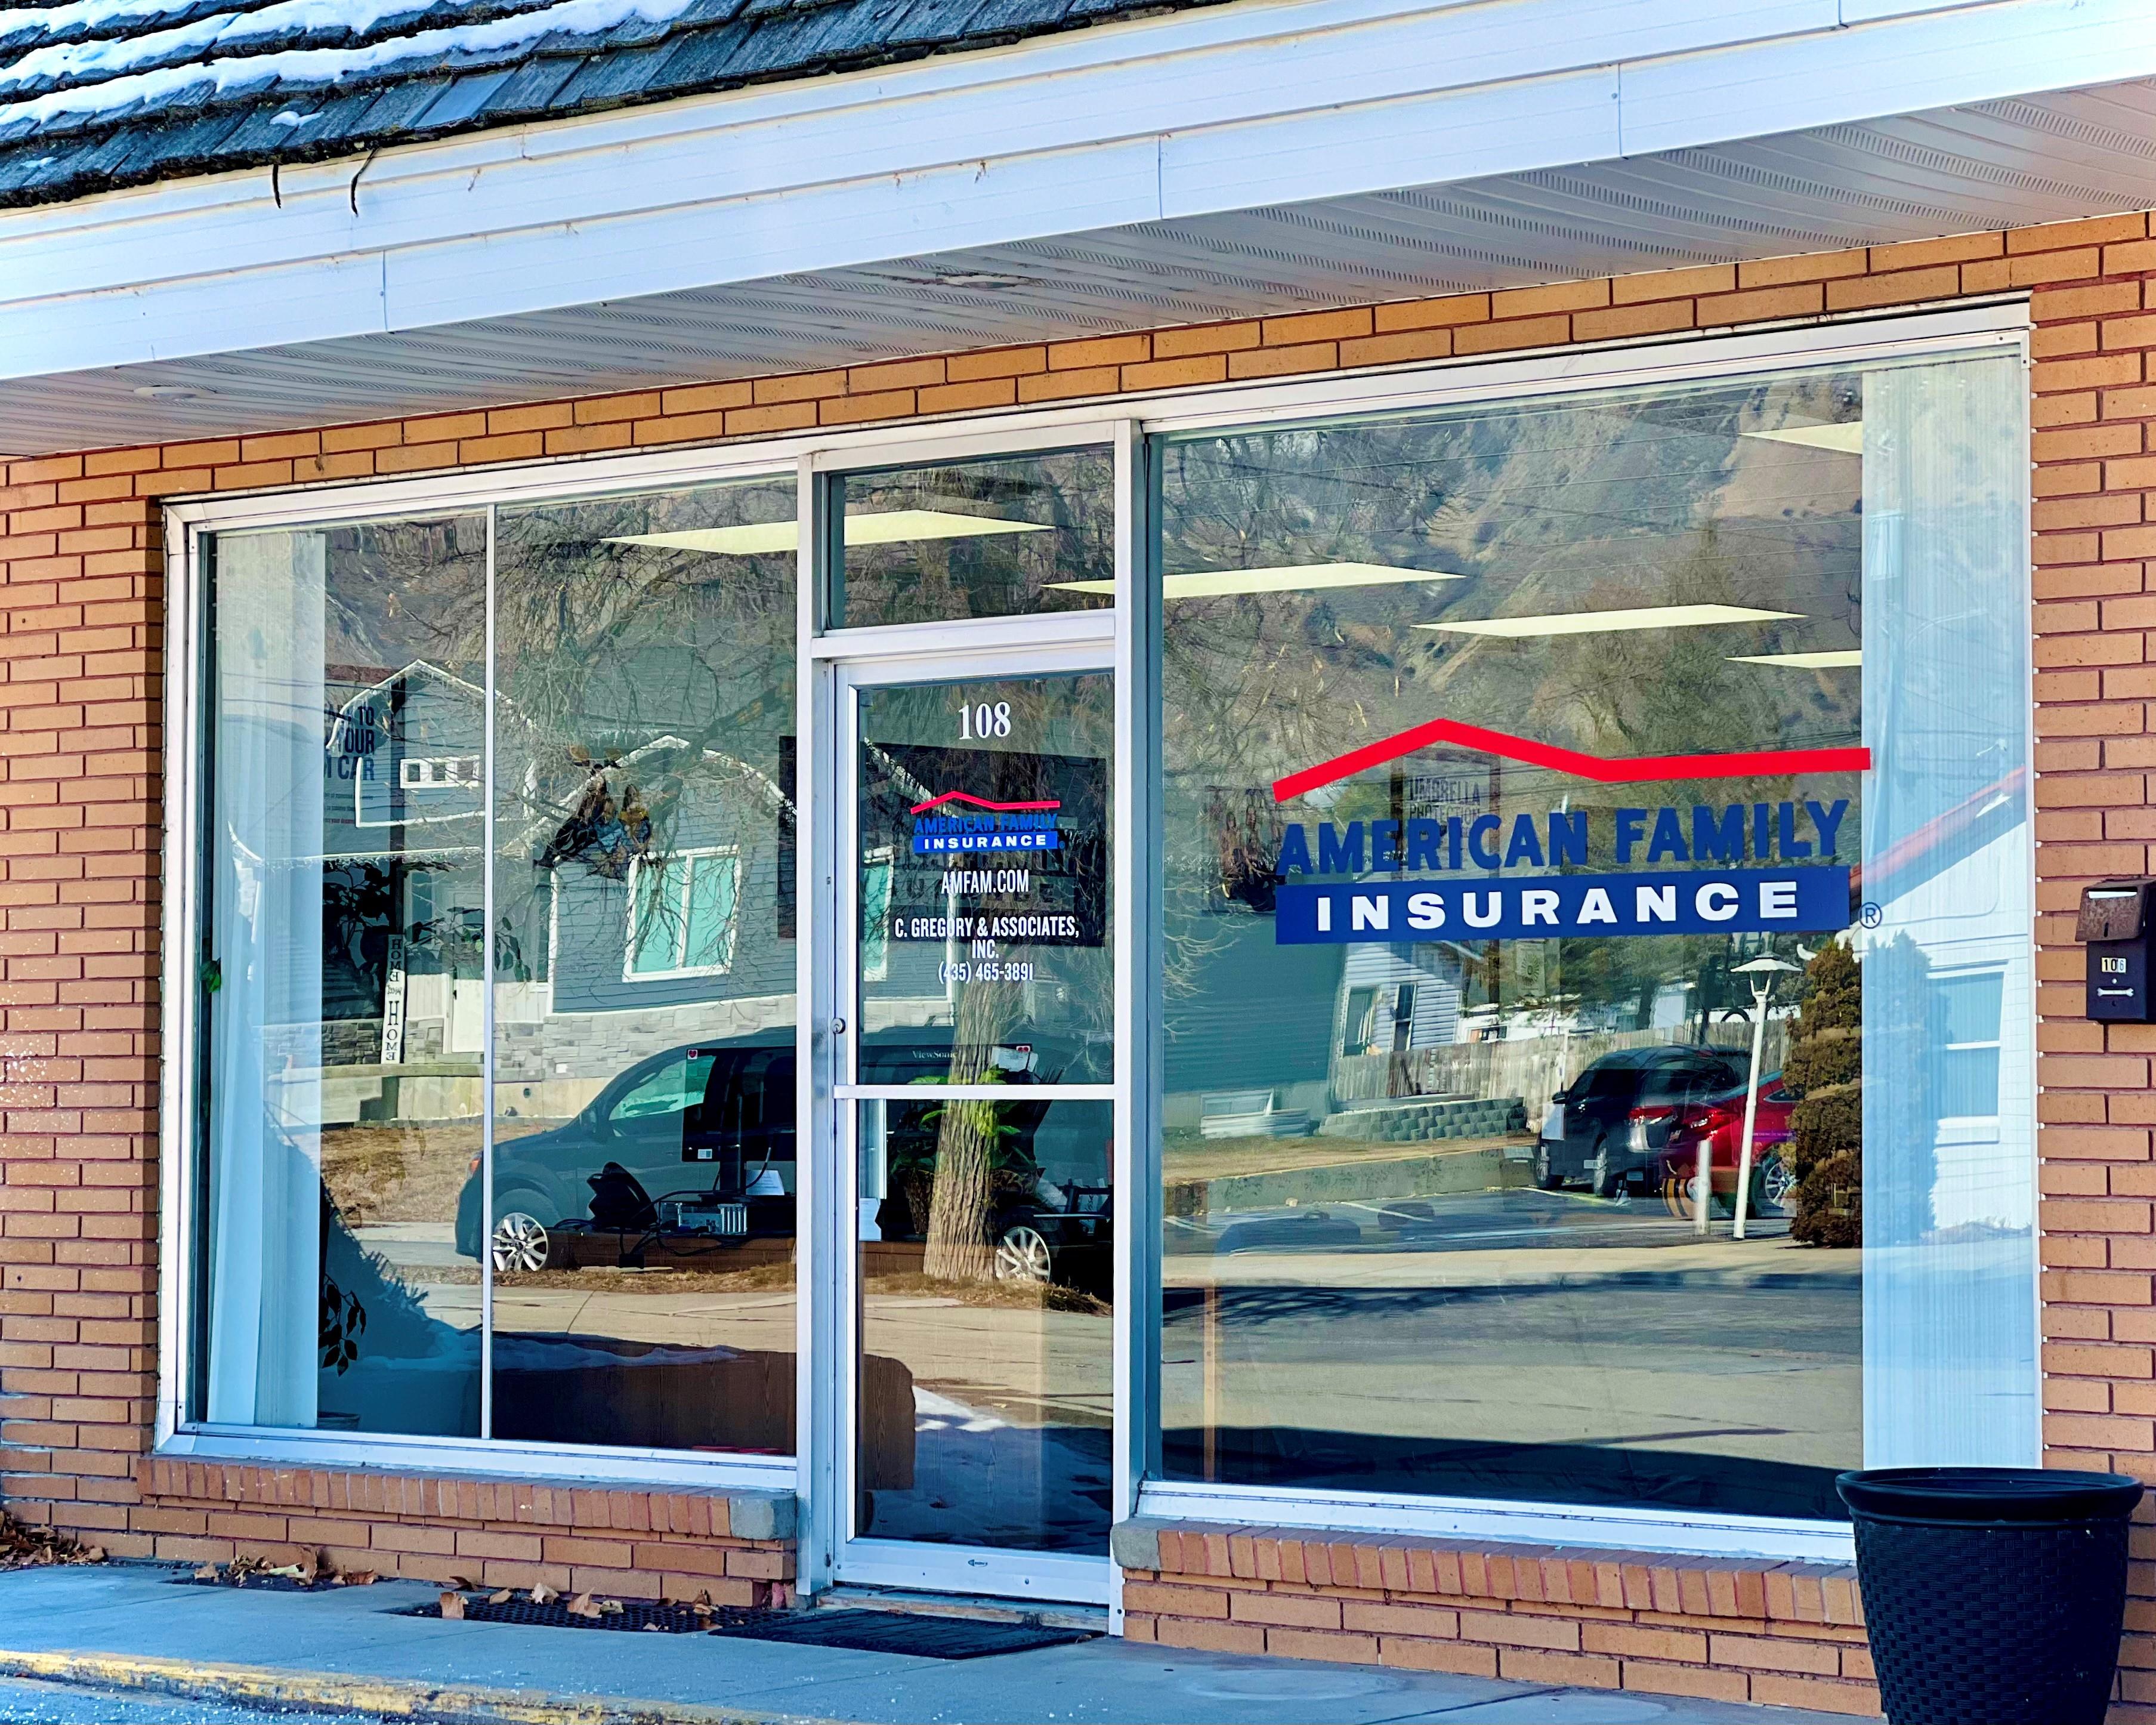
(1825, 1070)
(1830, 1203)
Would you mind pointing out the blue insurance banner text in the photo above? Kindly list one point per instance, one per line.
(1565, 906)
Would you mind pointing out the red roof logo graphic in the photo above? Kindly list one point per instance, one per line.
(1636, 769)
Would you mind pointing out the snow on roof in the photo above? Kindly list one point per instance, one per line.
(99, 93)
(204, 41)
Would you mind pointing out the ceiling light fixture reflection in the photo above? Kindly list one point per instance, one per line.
(1845, 440)
(1278, 577)
(1598, 623)
(892, 526)
(1833, 661)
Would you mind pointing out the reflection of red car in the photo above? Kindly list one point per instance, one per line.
(1675, 1131)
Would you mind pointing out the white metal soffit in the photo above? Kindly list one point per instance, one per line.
(2024, 160)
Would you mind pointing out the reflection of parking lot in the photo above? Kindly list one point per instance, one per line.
(1522, 1341)
(1477, 1221)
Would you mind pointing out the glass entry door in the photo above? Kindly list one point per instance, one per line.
(975, 1102)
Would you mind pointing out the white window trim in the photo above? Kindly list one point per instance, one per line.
(637, 864)
(1963, 327)
(275, 1446)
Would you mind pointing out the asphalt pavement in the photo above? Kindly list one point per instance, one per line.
(1514, 1344)
(26, 1701)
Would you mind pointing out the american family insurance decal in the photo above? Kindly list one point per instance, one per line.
(1738, 867)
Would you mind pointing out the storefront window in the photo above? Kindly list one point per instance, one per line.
(1594, 950)
(341, 970)
(1582, 1074)
(643, 1167)
(639, 970)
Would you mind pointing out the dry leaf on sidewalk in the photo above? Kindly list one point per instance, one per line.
(583, 1605)
(358, 1578)
(500, 1596)
(542, 1595)
(208, 1571)
(24, 1547)
(453, 1605)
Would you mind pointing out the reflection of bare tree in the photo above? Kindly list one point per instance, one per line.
(958, 1248)
(1659, 691)
(992, 575)
(640, 685)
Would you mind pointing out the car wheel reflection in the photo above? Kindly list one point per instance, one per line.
(519, 1242)
(1778, 1186)
(1607, 1180)
(1023, 1255)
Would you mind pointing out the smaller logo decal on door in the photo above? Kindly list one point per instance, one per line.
(982, 825)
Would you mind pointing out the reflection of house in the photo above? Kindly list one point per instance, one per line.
(639, 870)
(624, 934)
(1945, 885)
(1395, 998)
(402, 833)
(410, 747)
(1243, 1013)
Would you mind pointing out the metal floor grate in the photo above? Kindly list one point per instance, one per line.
(918, 1634)
(634, 1614)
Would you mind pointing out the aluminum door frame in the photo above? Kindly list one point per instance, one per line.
(1011, 1572)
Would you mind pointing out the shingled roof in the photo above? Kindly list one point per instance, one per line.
(101, 94)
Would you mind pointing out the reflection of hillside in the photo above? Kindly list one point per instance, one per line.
(1543, 508)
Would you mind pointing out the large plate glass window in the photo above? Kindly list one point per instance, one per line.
(1592, 1077)
(340, 978)
(643, 1228)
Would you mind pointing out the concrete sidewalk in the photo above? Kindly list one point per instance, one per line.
(138, 1627)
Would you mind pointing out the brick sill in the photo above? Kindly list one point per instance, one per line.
(736, 1545)
(1777, 1633)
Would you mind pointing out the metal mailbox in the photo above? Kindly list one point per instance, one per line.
(2116, 926)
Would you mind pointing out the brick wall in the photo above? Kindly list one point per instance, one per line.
(79, 758)
(631, 1544)
(1790, 1635)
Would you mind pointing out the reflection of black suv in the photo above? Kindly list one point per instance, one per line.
(1593, 1140)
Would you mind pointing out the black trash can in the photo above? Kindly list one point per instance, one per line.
(1993, 1595)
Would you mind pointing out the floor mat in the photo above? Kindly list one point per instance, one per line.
(915, 1634)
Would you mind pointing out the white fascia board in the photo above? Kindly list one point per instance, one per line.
(1310, 58)
(1903, 64)
(1265, 102)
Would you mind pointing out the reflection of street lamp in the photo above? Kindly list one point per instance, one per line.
(1764, 970)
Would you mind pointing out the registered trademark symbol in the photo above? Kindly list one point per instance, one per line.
(1873, 916)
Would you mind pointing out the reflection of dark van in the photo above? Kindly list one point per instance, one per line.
(1586, 1136)
(689, 1156)
(704, 1133)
